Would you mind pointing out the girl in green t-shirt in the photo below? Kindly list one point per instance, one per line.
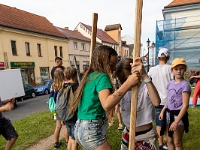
(94, 97)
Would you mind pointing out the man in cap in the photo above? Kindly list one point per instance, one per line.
(161, 75)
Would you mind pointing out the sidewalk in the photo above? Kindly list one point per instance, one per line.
(46, 142)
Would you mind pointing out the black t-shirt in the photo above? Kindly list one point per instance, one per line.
(52, 71)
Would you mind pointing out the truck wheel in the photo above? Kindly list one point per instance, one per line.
(33, 95)
(46, 92)
(15, 104)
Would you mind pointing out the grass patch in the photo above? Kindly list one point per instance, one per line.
(32, 129)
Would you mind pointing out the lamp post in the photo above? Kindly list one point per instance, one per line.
(152, 54)
(148, 41)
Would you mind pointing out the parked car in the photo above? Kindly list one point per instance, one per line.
(43, 87)
(29, 92)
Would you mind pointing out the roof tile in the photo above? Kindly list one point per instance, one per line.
(73, 34)
(19, 19)
(182, 2)
(102, 35)
(113, 27)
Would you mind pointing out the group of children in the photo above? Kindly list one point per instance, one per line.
(94, 98)
(164, 89)
(64, 77)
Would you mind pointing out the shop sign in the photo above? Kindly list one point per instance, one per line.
(72, 62)
(2, 65)
(22, 64)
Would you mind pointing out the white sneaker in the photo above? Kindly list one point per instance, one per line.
(165, 146)
(120, 127)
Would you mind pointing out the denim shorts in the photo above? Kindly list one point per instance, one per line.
(158, 109)
(168, 120)
(88, 133)
(70, 129)
(105, 126)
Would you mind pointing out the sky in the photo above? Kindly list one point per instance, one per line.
(68, 13)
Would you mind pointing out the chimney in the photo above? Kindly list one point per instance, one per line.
(66, 28)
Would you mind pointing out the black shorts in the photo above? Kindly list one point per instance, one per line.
(7, 129)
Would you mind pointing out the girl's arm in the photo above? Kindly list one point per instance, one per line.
(152, 91)
(185, 99)
(198, 76)
(5, 101)
(109, 100)
(12, 100)
(161, 113)
(8, 106)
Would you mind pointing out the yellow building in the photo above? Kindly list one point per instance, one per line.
(114, 31)
(31, 43)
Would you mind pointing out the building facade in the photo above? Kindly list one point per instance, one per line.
(130, 43)
(30, 43)
(102, 37)
(179, 31)
(114, 31)
(78, 46)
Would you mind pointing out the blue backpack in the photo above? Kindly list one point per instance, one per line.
(52, 101)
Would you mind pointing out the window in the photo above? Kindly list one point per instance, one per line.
(89, 47)
(83, 46)
(13, 47)
(39, 50)
(55, 50)
(61, 51)
(27, 49)
(75, 45)
(85, 65)
(44, 73)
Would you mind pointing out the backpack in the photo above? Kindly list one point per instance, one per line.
(64, 102)
(51, 102)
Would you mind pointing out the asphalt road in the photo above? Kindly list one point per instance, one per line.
(27, 107)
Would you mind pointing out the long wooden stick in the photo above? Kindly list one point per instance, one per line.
(94, 33)
(137, 41)
(78, 73)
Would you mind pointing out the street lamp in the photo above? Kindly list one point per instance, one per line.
(148, 41)
(153, 53)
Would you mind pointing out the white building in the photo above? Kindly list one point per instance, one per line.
(180, 30)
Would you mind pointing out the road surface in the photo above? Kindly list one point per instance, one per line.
(27, 107)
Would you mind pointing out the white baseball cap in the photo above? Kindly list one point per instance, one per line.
(164, 51)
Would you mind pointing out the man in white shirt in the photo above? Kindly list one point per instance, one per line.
(161, 75)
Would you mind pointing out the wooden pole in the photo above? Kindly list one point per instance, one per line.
(94, 33)
(137, 41)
